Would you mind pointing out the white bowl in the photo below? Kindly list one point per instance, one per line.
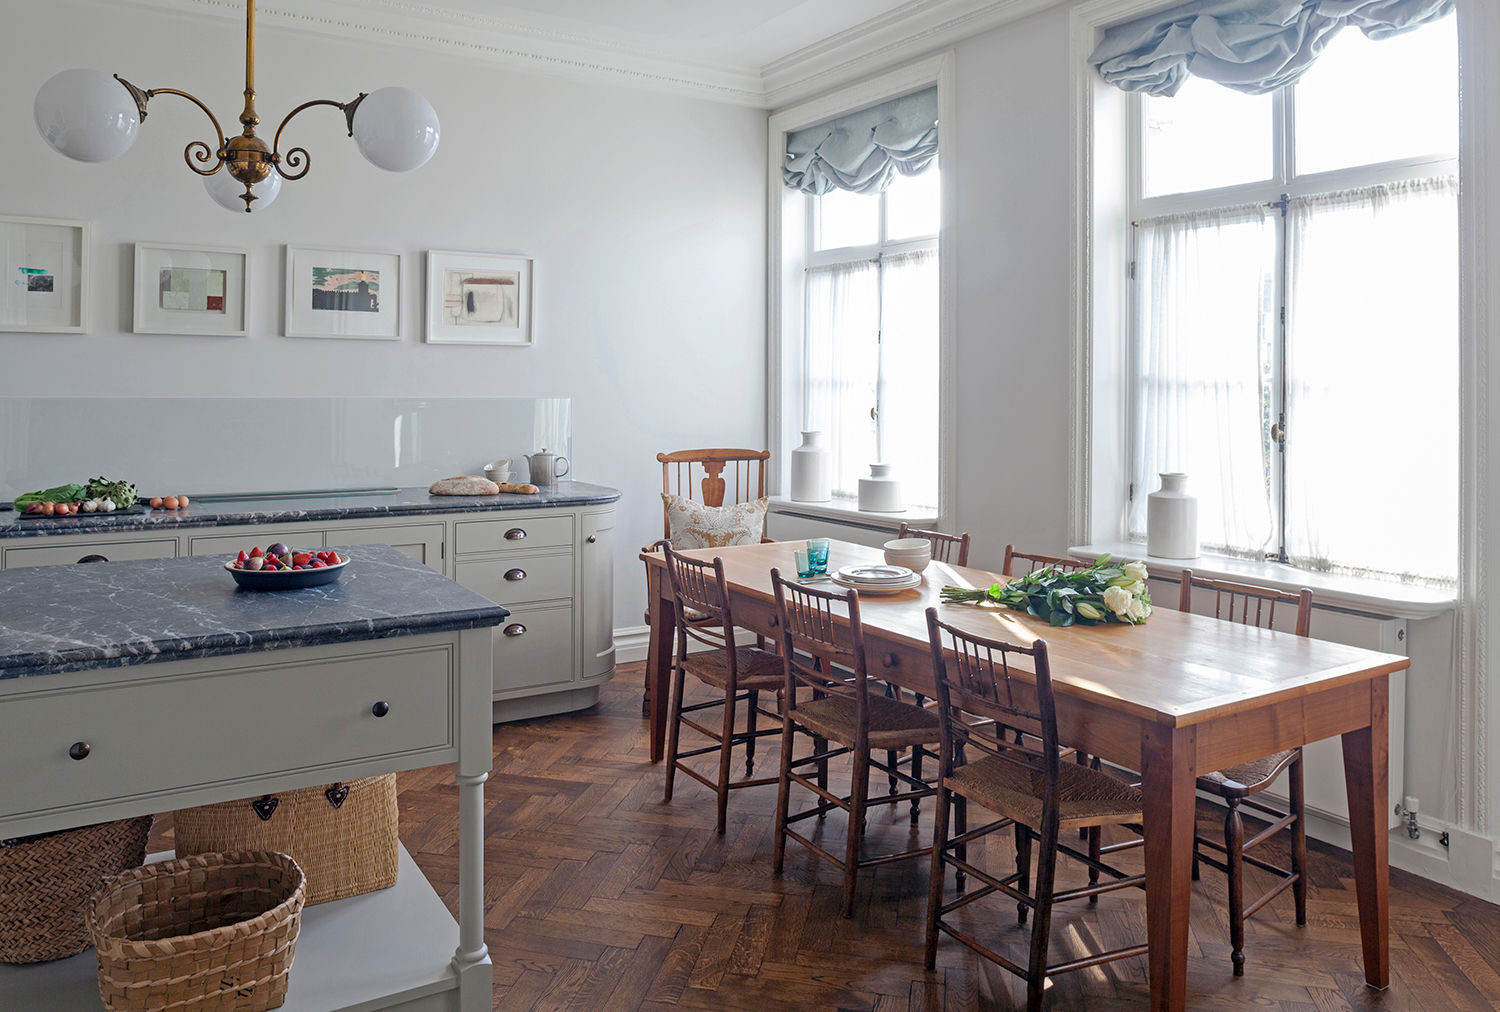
(913, 553)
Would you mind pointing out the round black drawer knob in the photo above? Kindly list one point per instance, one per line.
(514, 575)
(79, 750)
(515, 534)
(381, 708)
(515, 629)
(592, 539)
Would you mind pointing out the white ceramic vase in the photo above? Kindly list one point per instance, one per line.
(812, 470)
(880, 493)
(1172, 519)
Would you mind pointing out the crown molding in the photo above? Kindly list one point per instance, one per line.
(518, 40)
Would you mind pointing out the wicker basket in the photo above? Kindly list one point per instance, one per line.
(199, 934)
(343, 836)
(46, 882)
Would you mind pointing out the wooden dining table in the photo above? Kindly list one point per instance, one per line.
(1180, 695)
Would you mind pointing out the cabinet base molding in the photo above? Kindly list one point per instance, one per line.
(503, 711)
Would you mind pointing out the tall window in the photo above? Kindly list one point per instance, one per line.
(1295, 344)
(870, 363)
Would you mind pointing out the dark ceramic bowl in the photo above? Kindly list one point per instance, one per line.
(289, 579)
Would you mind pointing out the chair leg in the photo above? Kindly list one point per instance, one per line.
(726, 759)
(892, 756)
(1046, 869)
(1299, 841)
(916, 769)
(783, 789)
(820, 745)
(961, 815)
(674, 722)
(750, 726)
(935, 880)
(1094, 836)
(859, 792)
(1234, 845)
(1023, 868)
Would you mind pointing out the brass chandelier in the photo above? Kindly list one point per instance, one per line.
(93, 117)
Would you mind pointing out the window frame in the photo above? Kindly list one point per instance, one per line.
(788, 231)
(1284, 183)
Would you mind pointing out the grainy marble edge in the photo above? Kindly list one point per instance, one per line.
(223, 644)
(146, 521)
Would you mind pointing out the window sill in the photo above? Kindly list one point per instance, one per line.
(846, 512)
(1380, 598)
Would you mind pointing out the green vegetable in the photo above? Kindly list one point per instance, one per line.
(121, 493)
(62, 493)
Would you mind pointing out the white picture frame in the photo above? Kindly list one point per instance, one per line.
(44, 286)
(342, 293)
(479, 298)
(195, 290)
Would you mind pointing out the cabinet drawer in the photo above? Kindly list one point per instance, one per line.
(514, 532)
(115, 551)
(519, 577)
(157, 732)
(533, 649)
(423, 542)
(260, 537)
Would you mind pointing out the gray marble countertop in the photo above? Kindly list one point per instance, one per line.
(110, 614)
(223, 513)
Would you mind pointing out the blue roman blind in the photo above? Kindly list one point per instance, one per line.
(862, 151)
(1253, 46)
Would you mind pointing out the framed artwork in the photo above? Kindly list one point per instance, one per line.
(478, 298)
(343, 293)
(44, 287)
(191, 290)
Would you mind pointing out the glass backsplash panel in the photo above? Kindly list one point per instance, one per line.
(211, 445)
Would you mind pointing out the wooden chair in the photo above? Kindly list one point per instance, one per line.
(843, 711)
(952, 548)
(741, 673)
(1250, 605)
(699, 475)
(1035, 561)
(1000, 751)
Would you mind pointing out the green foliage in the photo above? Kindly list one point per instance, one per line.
(1067, 598)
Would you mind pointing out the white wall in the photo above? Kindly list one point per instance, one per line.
(645, 214)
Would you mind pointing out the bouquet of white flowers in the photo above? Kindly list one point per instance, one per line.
(1103, 592)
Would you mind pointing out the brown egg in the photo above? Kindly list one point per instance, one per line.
(182, 500)
(170, 502)
(156, 502)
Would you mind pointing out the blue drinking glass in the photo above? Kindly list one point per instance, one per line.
(817, 554)
(804, 564)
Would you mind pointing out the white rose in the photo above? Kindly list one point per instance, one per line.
(1117, 600)
(1136, 589)
(1136, 571)
(1138, 610)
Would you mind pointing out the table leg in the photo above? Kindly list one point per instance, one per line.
(1366, 772)
(1169, 772)
(659, 657)
(472, 960)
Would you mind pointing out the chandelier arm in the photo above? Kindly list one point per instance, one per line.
(298, 156)
(200, 150)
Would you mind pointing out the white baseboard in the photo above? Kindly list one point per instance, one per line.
(631, 642)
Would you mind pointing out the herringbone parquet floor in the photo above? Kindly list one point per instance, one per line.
(603, 897)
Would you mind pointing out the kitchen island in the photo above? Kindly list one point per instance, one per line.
(548, 558)
(138, 687)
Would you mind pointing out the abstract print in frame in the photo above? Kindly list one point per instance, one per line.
(478, 298)
(44, 285)
(343, 293)
(197, 290)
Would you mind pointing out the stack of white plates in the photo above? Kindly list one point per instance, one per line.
(876, 579)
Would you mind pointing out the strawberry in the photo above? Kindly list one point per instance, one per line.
(301, 558)
(242, 556)
(318, 564)
(256, 553)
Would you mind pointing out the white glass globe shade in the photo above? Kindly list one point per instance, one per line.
(87, 115)
(229, 193)
(396, 129)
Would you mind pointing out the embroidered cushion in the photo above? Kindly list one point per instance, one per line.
(693, 525)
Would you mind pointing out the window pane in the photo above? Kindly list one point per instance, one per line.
(1365, 101)
(1372, 381)
(839, 373)
(913, 205)
(842, 218)
(909, 374)
(1204, 137)
(1205, 337)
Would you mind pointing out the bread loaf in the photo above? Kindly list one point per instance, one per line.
(521, 489)
(467, 484)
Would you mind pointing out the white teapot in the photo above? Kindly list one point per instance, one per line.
(546, 467)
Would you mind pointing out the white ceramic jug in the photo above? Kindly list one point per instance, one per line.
(1172, 519)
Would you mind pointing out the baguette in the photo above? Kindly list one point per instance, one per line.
(518, 489)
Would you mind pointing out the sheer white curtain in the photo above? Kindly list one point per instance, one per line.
(1372, 380)
(841, 366)
(1204, 346)
(909, 375)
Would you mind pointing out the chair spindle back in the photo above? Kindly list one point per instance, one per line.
(815, 646)
(700, 475)
(1035, 561)
(699, 587)
(1246, 603)
(952, 548)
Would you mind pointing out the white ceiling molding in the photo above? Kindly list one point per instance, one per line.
(513, 38)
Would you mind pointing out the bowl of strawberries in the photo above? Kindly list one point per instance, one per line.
(283, 568)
